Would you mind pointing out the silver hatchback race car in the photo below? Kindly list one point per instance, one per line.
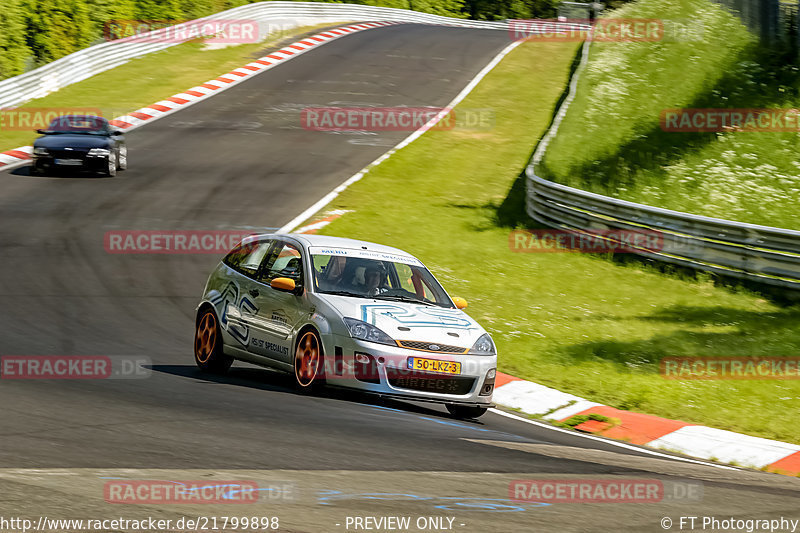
(345, 313)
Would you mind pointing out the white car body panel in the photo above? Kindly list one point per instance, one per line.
(261, 325)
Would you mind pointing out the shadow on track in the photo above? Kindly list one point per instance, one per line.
(25, 171)
(276, 381)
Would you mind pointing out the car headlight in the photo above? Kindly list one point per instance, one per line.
(367, 332)
(40, 150)
(100, 152)
(483, 346)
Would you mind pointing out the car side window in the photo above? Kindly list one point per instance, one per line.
(286, 263)
(246, 258)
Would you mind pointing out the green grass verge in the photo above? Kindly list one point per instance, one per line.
(611, 141)
(146, 80)
(574, 322)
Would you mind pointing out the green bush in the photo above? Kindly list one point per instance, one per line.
(55, 28)
(13, 49)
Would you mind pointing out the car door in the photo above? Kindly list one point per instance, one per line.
(279, 312)
(239, 305)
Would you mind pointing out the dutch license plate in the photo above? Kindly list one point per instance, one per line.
(434, 365)
(69, 162)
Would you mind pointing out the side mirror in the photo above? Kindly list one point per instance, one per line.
(461, 303)
(41, 132)
(283, 284)
(116, 133)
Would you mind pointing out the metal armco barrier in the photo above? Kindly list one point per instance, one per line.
(758, 253)
(283, 15)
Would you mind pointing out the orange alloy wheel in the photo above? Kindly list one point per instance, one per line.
(307, 359)
(205, 339)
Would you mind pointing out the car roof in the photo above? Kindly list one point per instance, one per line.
(338, 242)
(83, 117)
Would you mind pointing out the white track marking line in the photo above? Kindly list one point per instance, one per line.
(305, 215)
(610, 442)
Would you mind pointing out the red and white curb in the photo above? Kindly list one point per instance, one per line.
(648, 430)
(176, 102)
(16, 156)
(326, 219)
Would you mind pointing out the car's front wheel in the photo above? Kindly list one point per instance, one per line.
(208, 353)
(111, 165)
(122, 158)
(465, 411)
(308, 361)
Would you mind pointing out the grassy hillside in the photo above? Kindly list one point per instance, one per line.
(611, 141)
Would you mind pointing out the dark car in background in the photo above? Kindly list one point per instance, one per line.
(79, 143)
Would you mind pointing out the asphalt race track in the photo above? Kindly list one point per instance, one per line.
(240, 160)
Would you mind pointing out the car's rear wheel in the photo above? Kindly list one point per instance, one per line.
(308, 361)
(465, 411)
(208, 344)
(122, 158)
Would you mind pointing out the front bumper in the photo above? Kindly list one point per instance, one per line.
(383, 370)
(78, 162)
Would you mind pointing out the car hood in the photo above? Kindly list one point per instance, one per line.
(424, 323)
(72, 140)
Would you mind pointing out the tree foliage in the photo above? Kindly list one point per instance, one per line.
(34, 32)
(55, 28)
(14, 50)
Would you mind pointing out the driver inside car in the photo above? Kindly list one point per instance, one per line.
(374, 278)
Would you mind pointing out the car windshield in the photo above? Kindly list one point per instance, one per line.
(89, 125)
(360, 277)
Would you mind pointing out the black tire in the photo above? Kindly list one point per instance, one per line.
(111, 165)
(309, 362)
(208, 353)
(465, 411)
(36, 171)
(122, 158)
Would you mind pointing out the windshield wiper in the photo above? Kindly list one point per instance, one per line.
(399, 298)
(345, 293)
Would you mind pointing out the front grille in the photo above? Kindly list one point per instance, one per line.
(431, 347)
(438, 383)
(69, 154)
